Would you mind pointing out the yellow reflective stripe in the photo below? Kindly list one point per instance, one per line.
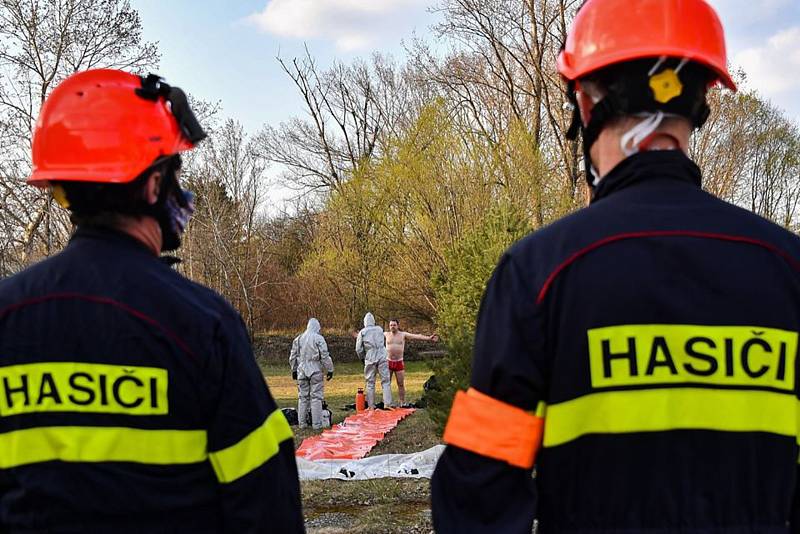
(541, 409)
(253, 451)
(101, 444)
(653, 410)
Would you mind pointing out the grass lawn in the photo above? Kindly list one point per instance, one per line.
(347, 378)
(367, 506)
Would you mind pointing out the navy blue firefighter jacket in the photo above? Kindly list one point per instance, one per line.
(656, 332)
(130, 401)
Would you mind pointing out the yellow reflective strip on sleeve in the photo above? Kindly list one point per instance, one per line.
(101, 444)
(653, 410)
(541, 409)
(253, 451)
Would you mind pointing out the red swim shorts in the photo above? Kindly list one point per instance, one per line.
(396, 365)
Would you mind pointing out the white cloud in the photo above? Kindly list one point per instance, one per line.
(350, 24)
(772, 67)
(749, 11)
(763, 38)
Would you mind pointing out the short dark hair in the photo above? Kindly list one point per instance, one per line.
(100, 204)
(395, 320)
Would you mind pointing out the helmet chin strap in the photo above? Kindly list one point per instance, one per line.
(593, 172)
(632, 141)
(635, 140)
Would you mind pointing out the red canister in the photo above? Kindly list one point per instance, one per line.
(360, 402)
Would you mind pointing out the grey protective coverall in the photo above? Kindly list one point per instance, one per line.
(371, 347)
(308, 357)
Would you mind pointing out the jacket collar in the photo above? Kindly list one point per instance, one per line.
(109, 235)
(657, 164)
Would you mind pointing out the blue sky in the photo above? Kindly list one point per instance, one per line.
(764, 38)
(226, 50)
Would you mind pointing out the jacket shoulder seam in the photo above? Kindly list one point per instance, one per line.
(555, 273)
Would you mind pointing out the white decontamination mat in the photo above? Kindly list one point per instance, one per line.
(415, 465)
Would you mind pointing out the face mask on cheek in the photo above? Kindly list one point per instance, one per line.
(177, 210)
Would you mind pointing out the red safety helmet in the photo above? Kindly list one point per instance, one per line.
(109, 126)
(606, 32)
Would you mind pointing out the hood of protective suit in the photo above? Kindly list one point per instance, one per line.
(313, 326)
(370, 343)
(309, 354)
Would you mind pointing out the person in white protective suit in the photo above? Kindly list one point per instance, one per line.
(370, 346)
(308, 357)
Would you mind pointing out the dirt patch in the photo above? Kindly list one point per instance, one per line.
(413, 518)
(371, 506)
(330, 519)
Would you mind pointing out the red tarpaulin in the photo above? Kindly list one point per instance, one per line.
(353, 438)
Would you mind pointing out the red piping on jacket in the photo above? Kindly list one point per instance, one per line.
(664, 233)
(101, 300)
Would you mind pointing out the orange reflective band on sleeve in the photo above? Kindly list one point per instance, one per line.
(489, 427)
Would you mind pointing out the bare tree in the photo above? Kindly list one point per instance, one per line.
(226, 246)
(351, 109)
(41, 43)
(772, 167)
(502, 71)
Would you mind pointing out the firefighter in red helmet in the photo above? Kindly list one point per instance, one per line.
(130, 400)
(642, 352)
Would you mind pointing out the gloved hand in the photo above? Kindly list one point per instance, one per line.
(330, 375)
(294, 375)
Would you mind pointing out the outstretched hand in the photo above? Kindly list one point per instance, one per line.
(434, 338)
(330, 375)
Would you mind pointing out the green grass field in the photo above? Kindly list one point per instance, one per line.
(368, 506)
(347, 378)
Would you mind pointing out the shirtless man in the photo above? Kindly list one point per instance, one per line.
(396, 346)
